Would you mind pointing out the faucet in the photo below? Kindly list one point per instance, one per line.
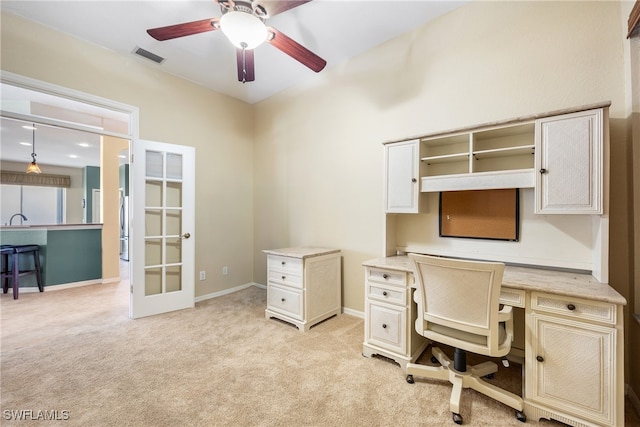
(15, 215)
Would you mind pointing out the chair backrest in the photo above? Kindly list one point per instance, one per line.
(459, 304)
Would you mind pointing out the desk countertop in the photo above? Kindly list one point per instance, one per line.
(301, 252)
(570, 284)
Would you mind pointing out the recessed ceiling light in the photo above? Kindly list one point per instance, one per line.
(120, 155)
(73, 156)
(83, 144)
(26, 143)
(29, 127)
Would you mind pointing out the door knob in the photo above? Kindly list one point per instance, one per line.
(186, 235)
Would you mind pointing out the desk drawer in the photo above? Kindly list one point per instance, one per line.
(285, 301)
(284, 264)
(392, 277)
(285, 278)
(390, 294)
(574, 307)
(512, 297)
(387, 327)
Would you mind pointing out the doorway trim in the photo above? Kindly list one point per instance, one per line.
(24, 82)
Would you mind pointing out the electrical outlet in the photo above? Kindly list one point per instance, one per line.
(225, 270)
(203, 275)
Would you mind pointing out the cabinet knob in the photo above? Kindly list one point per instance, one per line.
(384, 293)
(385, 276)
(284, 277)
(414, 180)
(540, 358)
(283, 300)
(571, 307)
(543, 170)
(384, 326)
(283, 263)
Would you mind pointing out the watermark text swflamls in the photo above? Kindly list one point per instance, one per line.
(35, 414)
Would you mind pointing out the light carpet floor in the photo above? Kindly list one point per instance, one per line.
(74, 354)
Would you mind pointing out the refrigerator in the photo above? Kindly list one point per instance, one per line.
(124, 228)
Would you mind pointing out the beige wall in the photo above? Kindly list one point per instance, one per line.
(173, 111)
(318, 174)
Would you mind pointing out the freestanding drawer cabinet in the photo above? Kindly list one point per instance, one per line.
(304, 285)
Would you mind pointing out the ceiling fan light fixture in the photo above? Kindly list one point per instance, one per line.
(243, 30)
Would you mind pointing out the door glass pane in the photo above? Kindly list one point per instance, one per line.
(153, 193)
(174, 194)
(174, 222)
(174, 166)
(153, 281)
(153, 222)
(153, 252)
(174, 251)
(174, 278)
(154, 164)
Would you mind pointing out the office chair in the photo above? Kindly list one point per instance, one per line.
(458, 305)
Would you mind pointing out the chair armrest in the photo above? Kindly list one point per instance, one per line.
(505, 314)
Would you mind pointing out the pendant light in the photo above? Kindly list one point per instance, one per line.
(33, 166)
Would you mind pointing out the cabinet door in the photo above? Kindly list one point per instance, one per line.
(569, 151)
(402, 169)
(571, 367)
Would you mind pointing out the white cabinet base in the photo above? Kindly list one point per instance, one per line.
(304, 285)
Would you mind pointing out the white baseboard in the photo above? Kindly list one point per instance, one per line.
(227, 291)
(351, 312)
(61, 286)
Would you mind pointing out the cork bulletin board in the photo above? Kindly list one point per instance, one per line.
(480, 214)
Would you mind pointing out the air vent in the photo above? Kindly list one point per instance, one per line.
(146, 54)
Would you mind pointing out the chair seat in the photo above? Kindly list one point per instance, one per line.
(26, 248)
(466, 336)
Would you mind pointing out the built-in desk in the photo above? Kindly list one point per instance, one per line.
(573, 367)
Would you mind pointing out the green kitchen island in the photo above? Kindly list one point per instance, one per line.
(69, 253)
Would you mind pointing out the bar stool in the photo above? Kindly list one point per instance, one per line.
(6, 272)
(16, 273)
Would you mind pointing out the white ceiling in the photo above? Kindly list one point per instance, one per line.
(336, 30)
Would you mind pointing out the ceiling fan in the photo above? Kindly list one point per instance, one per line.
(243, 22)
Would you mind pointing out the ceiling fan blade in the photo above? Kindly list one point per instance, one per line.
(274, 7)
(246, 70)
(186, 29)
(296, 50)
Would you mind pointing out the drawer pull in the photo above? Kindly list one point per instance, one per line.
(571, 307)
(385, 276)
(540, 358)
(384, 326)
(384, 293)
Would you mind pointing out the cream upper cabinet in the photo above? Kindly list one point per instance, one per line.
(568, 162)
(402, 174)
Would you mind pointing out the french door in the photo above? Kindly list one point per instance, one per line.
(162, 230)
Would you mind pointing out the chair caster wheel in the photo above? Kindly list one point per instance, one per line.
(457, 418)
(521, 416)
(490, 376)
(434, 360)
(410, 379)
